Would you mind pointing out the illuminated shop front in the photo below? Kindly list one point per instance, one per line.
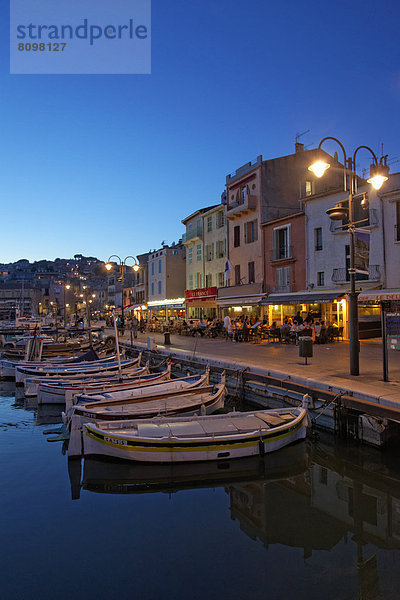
(201, 303)
(240, 300)
(167, 309)
(370, 310)
(329, 306)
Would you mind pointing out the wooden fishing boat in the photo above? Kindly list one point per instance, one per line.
(52, 349)
(192, 398)
(197, 438)
(32, 383)
(78, 369)
(156, 389)
(49, 393)
(188, 395)
(8, 367)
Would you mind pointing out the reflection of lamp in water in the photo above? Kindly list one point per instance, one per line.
(65, 287)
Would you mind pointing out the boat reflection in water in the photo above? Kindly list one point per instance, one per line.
(308, 496)
(117, 477)
(347, 494)
(49, 414)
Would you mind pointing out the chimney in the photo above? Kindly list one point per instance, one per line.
(299, 147)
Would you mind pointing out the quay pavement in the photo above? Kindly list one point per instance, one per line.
(328, 369)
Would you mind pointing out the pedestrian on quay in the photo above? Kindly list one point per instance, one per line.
(227, 325)
(142, 325)
(135, 326)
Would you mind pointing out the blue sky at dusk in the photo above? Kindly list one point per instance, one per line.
(111, 164)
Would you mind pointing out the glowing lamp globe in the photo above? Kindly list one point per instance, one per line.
(319, 167)
(378, 175)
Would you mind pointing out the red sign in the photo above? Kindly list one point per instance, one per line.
(201, 294)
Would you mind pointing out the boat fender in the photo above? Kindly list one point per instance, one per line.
(306, 403)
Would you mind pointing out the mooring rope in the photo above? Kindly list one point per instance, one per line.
(339, 395)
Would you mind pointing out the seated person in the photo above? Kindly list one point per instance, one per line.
(323, 338)
(317, 331)
(285, 332)
(294, 330)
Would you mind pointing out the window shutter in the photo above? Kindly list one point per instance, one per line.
(287, 276)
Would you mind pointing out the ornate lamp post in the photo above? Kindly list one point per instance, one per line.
(122, 264)
(378, 175)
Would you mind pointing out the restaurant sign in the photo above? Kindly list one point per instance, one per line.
(201, 294)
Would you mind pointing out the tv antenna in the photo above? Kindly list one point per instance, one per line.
(299, 135)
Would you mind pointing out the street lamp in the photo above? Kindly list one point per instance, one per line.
(378, 175)
(123, 265)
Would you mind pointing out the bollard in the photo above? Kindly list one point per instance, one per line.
(167, 337)
(151, 343)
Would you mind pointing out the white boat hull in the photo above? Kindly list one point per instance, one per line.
(108, 442)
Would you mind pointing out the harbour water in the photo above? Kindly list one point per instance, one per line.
(317, 520)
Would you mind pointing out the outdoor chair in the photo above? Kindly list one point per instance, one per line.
(285, 335)
(275, 335)
(322, 337)
(329, 334)
(337, 332)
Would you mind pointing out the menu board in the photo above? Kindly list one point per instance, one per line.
(393, 330)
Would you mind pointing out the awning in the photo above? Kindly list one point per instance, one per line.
(304, 298)
(202, 304)
(378, 295)
(130, 307)
(240, 300)
(179, 305)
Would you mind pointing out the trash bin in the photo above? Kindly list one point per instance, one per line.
(151, 343)
(167, 337)
(305, 347)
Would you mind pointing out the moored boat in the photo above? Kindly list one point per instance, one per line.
(77, 369)
(197, 438)
(188, 395)
(64, 392)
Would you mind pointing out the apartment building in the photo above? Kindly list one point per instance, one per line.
(206, 248)
(259, 192)
(166, 273)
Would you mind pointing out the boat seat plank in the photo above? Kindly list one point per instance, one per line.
(190, 428)
(152, 431)
(274, 420)
(215, 427)
(249, 423)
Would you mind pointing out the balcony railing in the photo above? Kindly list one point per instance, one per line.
(281, 253)
(371, 217)
(192, 234)
(242, 204)
(342, 275)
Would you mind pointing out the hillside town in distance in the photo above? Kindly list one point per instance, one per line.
(264, 252)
